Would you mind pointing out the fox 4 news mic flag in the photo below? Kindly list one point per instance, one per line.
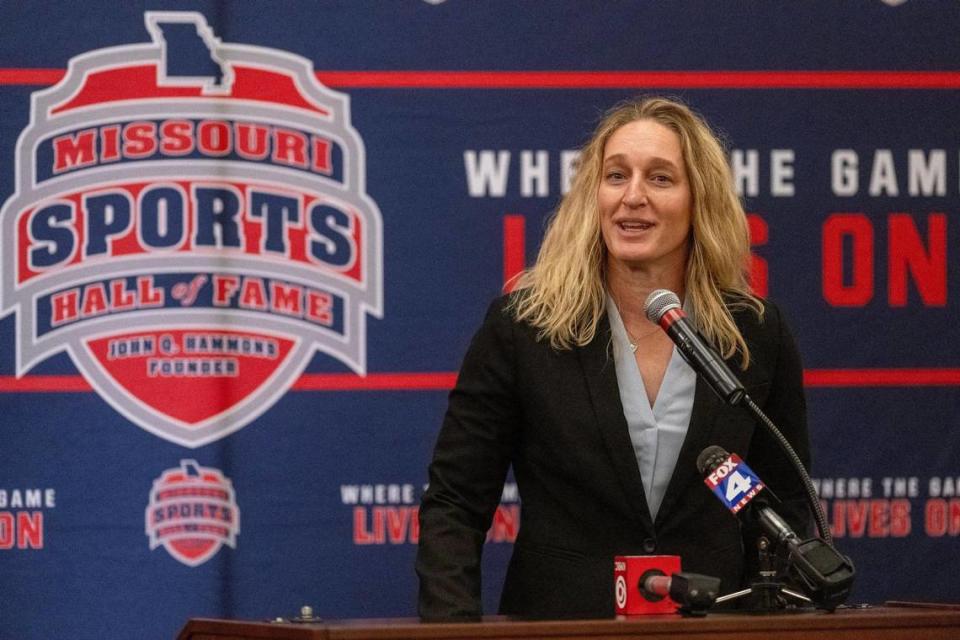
(734, 483)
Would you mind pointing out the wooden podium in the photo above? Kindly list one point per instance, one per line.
(894, 621)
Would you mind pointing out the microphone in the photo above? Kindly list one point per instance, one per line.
(827, 575)
(655, 585)
(663, 307)
(694, 593)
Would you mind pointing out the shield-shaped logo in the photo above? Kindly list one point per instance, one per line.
(191, 225)
(192, 513)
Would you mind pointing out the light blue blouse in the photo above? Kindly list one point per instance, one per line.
(656, 432)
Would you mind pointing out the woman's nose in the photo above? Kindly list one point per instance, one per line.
(635, 195)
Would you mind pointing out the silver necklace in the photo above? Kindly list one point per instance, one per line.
(631, 340)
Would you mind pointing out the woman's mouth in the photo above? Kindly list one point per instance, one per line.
(635, 225)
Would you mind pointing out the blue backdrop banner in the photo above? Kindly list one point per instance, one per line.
(244, 245)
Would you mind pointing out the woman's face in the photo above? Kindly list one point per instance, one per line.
(644, 198)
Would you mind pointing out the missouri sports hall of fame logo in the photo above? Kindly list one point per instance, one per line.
(191, 225)
(192, 512)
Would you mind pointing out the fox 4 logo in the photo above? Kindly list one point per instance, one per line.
(734, 483)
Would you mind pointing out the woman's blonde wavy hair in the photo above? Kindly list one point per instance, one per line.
(563, 294)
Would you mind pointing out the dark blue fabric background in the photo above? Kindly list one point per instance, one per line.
(442, 257)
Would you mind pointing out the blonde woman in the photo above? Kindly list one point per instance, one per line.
(599, 416)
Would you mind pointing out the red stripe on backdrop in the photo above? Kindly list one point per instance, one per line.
(376, 382)
(43, 384)
(427, 381)
(835, 378)
(592, 79)
(31, 76)
(444, 381)
(642, 79)
(514, 248)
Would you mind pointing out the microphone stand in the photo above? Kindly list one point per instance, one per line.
(767, 591)
(826, 573)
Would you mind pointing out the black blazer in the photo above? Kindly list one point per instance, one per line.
(556, 416)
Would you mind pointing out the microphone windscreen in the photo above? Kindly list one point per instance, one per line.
(658, 303)
(710, 458)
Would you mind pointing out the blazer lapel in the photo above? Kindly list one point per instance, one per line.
(706, 406)
(600, 372)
